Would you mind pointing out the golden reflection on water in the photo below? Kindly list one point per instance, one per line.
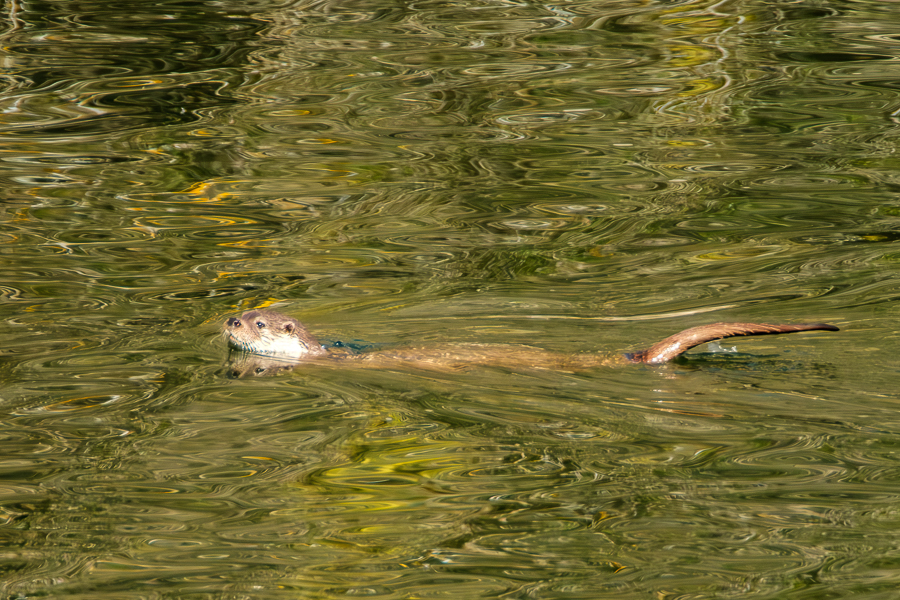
(580, 177)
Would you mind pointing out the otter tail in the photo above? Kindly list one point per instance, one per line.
(675, 345)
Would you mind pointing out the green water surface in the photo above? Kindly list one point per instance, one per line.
(578, 176)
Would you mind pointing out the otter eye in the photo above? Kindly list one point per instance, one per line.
(288, 327)
(260, 324)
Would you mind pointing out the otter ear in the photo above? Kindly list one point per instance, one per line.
(289, 327)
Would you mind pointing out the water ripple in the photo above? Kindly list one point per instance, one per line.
(574, 176)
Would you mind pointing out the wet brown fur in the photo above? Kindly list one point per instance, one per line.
(272, 334)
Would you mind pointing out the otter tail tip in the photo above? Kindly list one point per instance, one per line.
(673, 346)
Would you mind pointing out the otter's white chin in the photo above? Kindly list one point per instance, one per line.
(272, 346)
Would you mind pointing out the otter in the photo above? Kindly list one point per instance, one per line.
(272, 334)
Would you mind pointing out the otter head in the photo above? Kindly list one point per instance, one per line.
(271, 333)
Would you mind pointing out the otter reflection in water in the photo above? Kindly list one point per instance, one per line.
(285, 341)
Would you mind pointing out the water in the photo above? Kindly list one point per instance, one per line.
(578, 176)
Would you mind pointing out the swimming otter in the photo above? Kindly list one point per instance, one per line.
(269, 333)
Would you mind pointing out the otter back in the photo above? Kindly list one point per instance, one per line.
(270, 333)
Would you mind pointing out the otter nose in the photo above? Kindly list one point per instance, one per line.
(233, 322)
